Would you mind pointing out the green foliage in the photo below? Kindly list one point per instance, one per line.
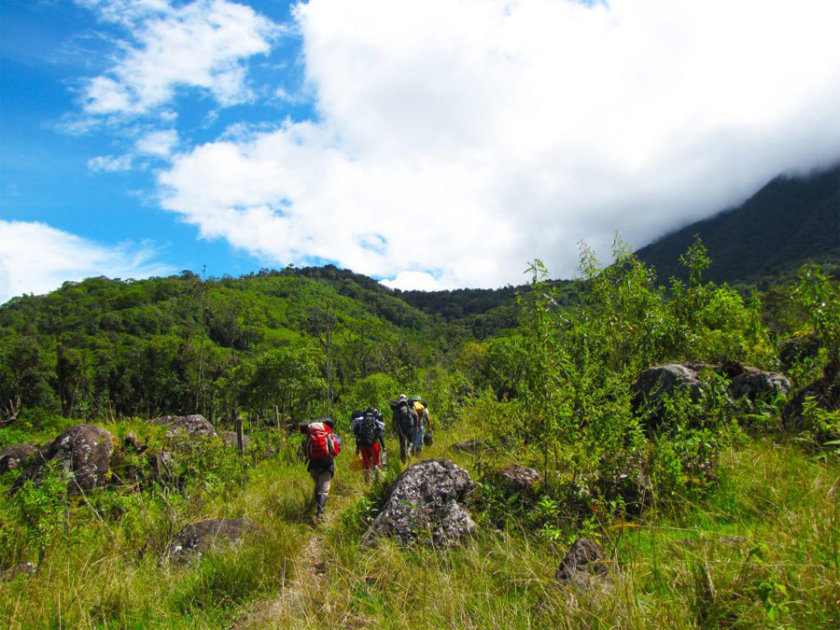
(821, 299)
(34, 519)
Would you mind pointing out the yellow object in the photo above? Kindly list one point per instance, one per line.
(356, 464)
(419, 408)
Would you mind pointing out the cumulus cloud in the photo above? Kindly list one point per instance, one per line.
(200, 45)
(472, 137)
(36, 258)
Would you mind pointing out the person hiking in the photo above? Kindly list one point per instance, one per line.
(320, 448)
(369, 430)
(422, 424)
(403, 423)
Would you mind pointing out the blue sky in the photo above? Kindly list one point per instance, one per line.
(433, 144)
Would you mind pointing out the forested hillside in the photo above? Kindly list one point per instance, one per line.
(182, 344)
(790, 221)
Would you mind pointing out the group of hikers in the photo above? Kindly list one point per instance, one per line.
(410, 422)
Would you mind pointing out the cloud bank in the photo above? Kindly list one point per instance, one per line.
(36, 258)
(454, 142)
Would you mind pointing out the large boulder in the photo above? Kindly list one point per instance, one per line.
(16, 456)
(84, 450)
(194, 425)
(425, 504)
(755, 384)
(660, 382)
(198, 538)
(584, 564)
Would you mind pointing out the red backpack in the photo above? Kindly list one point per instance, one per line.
(320, 442)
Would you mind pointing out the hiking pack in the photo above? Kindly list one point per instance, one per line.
(320, 442)
(366, 434)
(405, 418)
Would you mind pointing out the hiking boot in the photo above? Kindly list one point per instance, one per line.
(322, 503)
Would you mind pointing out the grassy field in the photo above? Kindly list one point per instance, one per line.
(760, 550)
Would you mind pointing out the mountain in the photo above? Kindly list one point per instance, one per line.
(790, 221)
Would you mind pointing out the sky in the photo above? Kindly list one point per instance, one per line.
(429, 144)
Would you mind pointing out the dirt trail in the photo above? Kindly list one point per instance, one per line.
(288, 608)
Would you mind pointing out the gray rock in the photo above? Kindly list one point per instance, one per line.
(198, 538)
(194, 425)
(16, 456)
(658, 383)
(584, 564)
(83, 451)
(24, 568)
(825, 394)
(756, 384)
(425, 504)
(469, 446)
(517, 479)
(229, 438)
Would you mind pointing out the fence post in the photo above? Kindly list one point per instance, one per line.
(239, 441)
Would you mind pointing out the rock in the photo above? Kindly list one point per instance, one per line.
(200, 537)
(24, 568)
(16, 456)
(756, 384)
(798, 349)
(825, 392)
(229, 438)
(656, 384)
(84, 450)
(517, 479)
(426, 499)
(194, 425)
(625, 477)
(584, 564)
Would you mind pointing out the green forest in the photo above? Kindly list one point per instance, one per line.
(687, 429)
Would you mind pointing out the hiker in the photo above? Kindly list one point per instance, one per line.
(369, 430)
(422, 425)
(403, 424)
(319, 448)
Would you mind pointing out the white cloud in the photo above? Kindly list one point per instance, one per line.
(36, 258)
(473, 136)
(200, 45)
(158, 143)
(110, 163)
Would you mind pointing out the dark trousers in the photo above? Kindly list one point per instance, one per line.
(406, 440)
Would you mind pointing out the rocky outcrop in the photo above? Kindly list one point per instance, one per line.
(584, 564)
(194, 425)
(425, 503)
(755, 384)
(16, 456)
(198, 538)
(84, 450)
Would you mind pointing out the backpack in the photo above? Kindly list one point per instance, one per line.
(320, 442)
(366, 432)
(405, 418)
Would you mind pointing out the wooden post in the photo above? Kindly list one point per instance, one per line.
(277, 417)
(239, 441)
